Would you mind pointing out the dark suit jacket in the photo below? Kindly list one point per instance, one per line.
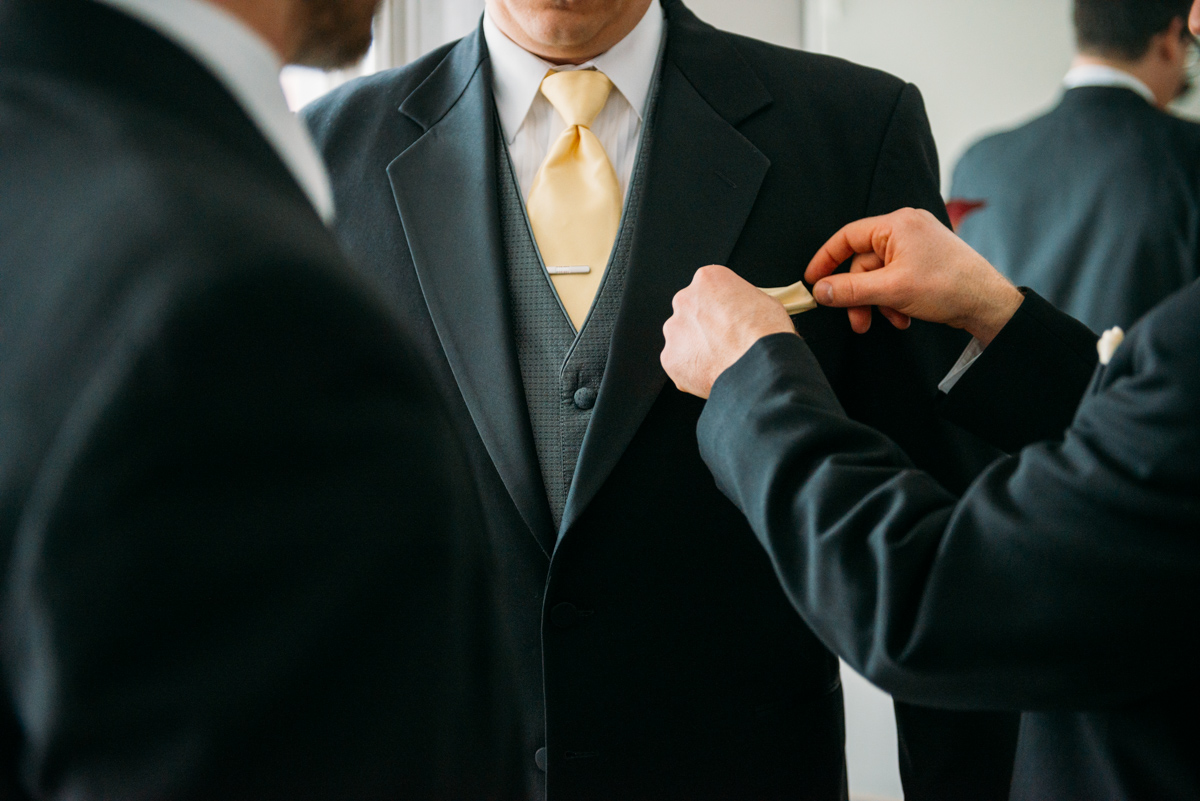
(1065, 580)
(660, 658)
(242, 556)
(1096, 205)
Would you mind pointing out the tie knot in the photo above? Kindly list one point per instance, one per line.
(577, 95)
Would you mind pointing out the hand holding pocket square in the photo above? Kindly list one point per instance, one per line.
(717, 318)
(910, 265)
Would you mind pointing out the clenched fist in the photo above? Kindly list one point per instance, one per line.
(717, 319)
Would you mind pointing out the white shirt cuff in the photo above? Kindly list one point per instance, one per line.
(960, 368)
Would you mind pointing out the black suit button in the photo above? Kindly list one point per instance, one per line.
(540, 759)
(564, 615)
(585, 398)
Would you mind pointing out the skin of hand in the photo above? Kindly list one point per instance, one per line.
(717, 318)
(910, 265)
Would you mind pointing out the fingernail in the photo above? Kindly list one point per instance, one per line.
(824, 291)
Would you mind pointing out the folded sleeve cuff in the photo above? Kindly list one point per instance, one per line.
(1026, 385)
(969, 356)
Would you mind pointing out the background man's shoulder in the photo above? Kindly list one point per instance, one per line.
(1002, 157)
(984, 156)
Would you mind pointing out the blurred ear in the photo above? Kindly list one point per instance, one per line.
(1171, 46)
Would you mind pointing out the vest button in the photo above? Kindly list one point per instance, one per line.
(585, 398)
(539, 759)
(564, 615)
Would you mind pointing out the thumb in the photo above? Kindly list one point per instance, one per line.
(848, 290)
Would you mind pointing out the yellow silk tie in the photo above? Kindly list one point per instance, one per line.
(575, 201)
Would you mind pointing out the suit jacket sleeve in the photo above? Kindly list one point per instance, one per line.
(1046, 585)
(1026, 386)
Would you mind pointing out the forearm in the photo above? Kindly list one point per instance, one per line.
(939, 601)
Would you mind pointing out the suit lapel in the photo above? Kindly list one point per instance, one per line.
(702, 180)
(445, 187)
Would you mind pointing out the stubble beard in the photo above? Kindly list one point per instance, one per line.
(337, 33)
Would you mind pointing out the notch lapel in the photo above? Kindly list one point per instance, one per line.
(702, 180)
(445, 187)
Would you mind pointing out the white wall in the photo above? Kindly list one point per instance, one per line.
(982, 65)
(777, 21)
(432, 23)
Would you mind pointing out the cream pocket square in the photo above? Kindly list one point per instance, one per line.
(795, 298)
(1108, 344)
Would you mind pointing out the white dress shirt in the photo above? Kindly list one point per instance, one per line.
(1104, 75)
(249, 70)
(969, 357)
(530, 123)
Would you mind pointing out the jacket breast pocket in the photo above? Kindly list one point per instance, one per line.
(822, 324)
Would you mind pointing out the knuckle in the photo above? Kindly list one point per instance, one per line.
(846, 291)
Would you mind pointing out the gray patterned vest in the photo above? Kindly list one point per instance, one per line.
(561, 372)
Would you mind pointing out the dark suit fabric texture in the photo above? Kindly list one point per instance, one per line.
(243, 555)
(1065, 581)
(1095, 205)
(660, 657)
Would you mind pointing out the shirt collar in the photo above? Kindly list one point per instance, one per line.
(1104, 75)
(249, 70)
(517, 74)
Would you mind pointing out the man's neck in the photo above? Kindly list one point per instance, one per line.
(1136, 69)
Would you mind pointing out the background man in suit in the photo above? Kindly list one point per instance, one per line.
(1094, 204)
(531, 231)
(1066, 580)
(243, 555)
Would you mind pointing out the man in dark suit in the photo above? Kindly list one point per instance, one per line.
(1094, 204)
(1065, 581)
(243, 555)
(659, 658)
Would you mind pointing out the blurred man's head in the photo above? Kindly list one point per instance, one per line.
(314, 33)
(1147, 38)
(567, 31)
(334, 33)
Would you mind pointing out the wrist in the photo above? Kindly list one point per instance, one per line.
(995, 313)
